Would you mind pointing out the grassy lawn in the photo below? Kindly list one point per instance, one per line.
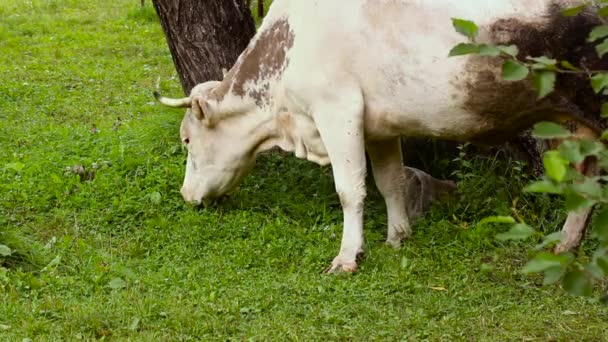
(119, 256)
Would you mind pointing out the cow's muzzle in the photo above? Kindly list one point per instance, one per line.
(190, 197)
(204, 201)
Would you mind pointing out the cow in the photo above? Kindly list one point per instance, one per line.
(331, 80)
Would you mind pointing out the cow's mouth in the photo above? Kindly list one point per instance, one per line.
(211, 202)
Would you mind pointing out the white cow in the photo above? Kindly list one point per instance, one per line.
(332, 79)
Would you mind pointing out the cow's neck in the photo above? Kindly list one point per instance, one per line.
(251, 85)
(291, 133)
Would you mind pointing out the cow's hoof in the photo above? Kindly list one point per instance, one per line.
(573, 230)
(395, 243)
(396, 237)
(341, 267)
(566, 246)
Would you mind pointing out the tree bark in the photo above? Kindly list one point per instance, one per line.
(204, 36)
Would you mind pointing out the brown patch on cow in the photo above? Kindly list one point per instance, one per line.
(266, 56)
(506, 108)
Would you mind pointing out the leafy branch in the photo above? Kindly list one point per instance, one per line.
(577, 274)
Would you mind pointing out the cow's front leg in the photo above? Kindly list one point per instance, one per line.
(387, 167)
(340, 124)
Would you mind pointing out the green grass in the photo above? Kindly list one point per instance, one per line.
(121, 257)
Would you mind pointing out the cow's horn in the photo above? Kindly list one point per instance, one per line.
(179, 103)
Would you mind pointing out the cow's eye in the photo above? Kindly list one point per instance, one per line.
(186, 141)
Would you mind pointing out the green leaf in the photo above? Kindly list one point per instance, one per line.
(52, 265)
(511, 50)
(603, 159)
(598, 32)
(595, 270)
(545, 260)
(544, 82)
(497, 219)
(589, 187)
(604, 135)
(134, 324)
(519, 231)
(568, 66)
(604, 112)
(16, 166)
(549, 240)
(543, 62)
(117, 283)
(602, 262)
(544, 186)
(553, 275)
(603, 11)
(514, 71)
(591, 147)
(602, 48)
(464, 49)
(5, 251)
(572, 11)
(465, 27)
(572, 175)
(555, 165)
(489, 50)
(575, 201)
(571, 150)
(599, 82)
(405, 263)
(155, 197)
(600, 225)
(577, 283)
(543, 67)
(550, 130)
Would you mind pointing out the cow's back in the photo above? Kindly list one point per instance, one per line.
(397, 52)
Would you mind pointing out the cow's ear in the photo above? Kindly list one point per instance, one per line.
(203, 110)
(197, 109)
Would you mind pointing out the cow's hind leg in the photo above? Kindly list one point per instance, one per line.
(576, 222)
(387, 167)
(339, 119)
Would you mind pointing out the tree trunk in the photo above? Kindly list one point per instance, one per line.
(204, 36)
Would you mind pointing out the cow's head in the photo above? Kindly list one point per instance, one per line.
(221, 143)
